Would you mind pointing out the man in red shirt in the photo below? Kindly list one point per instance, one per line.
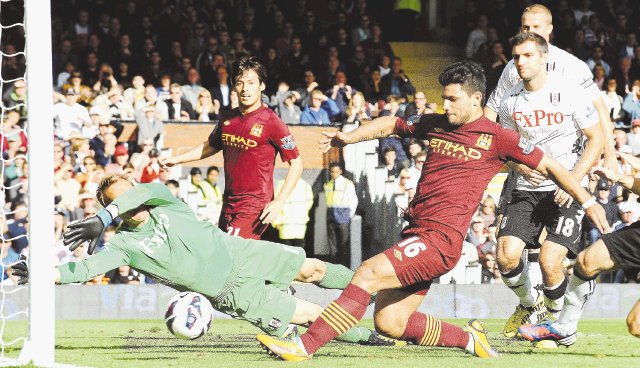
(465, 151)
(249, 138)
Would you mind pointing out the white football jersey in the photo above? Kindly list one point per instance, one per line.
(560, 65)
(552, 118)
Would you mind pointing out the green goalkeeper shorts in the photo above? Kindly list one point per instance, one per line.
(256, 289)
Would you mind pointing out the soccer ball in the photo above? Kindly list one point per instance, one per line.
(188, 315)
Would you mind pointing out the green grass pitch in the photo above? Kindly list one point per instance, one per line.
(601, 343)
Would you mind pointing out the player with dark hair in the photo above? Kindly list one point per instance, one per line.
(161, 237)
(562, 122)
(465, 151)
(617, 250)
(249, 138)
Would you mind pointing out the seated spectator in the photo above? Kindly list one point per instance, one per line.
(596, 59)
(69, 115)
(357, 112)
(419, 106)
(341, 92)
(151, 172)
(150, 127)
(124, 275)
(84, 92)
(8, 256)
(164, 89)
(375, 45)
(321, 110)
(391, 163)
(120, 159)
(136, 92)
(415, 170)
(623, 76)
(396, 82)
(633, 137)
(384, 65)
(361, 31)
(414, 147)
(116, 107)
(614, 102)
(627, 216)
(221, 90)
(177, 106)
(207, 109)
(488, 211)
(153, 70)
(290, 112)
(631, 104)
(16, 228)
(627, 50)
(192, 90)
(477, 37)
(477, 234)
(64, 75)
(373, 87)
(66, 187)
(603, 196)
(12, 131)
(599, 77)
(15, 98)
(490, 272)
(106, 80)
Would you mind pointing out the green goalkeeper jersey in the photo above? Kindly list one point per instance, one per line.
(173, 246)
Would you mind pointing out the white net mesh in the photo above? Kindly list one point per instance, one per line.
(13, 218)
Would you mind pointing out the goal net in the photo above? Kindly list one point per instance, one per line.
(27, 174)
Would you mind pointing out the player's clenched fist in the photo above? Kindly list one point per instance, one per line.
(332, 139)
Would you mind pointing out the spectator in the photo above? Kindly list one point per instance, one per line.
(391, 163)
(373, 86)
(419, 106)
(341, 207)
(69, 115)
(631, 104)
(16, 228)
(124, 275)
(477, 234)
(596, 59)
(488, 211)
(206, 109)
(292, 220)
(149, 125)
(490, 273)
(603, 195)
(494, 64)
(8, 256)
(296, 62)
(415, 170)
(193, 89)
(341, 92)
(583, 11)
(627, 216)
(357, 112)
(614, 102)
(151, 172)
(623, 76)
(633, 137)
(116, 107)
(12, 131)
(376, 46)
(150, 98)
(320, 111)
(627, 50)
(164, 91)
(599, 77)
(290, 113)
(211, 195)
(83, 91)
(66, 187)
(396, 82)
(15, 98)
(310, 84)
(361, 31)
(477, 37)
(177, 106)
(120, 159)
(221, 91)
(136, 92)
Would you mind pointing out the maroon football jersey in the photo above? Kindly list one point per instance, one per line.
(460, 163)
(249, 144)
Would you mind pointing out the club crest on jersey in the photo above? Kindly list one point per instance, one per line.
(526, 146)
(256, 131)
(397, 254)
(484, 141)
(288, 143)
(554, 98)
(275, 323)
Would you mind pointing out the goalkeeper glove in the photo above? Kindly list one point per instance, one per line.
(89, 229)
(21, 269)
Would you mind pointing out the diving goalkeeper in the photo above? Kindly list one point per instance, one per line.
(161, 237)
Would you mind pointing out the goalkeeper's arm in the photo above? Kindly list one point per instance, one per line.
(108, 259)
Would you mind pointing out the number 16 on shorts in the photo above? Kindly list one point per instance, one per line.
(412, 246)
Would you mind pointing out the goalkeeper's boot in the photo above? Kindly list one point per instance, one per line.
(523, 316)
(377, 339)
(285, 349)
(547, 330)
(481, 346)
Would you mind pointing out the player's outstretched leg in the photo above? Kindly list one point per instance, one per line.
(342, 314)
(527, 310)
(396, 316)
(555, 282)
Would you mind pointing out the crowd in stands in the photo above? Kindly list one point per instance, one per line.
(154, 62)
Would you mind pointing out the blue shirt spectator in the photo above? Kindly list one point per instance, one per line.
(321, 110)
(631, 104)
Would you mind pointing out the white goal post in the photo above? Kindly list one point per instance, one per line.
(39, 347)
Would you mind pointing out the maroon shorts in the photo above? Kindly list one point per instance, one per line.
(424, 254)
(244, 225)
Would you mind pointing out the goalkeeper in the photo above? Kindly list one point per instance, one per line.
(161, 237)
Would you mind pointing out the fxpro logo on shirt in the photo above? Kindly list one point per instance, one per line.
(538, 118)
(150, 244)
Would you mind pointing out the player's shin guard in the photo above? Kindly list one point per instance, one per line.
(579, 290)
(335, 277)
(423, 329)
(341, 315)
(554, 298)
(518, 281)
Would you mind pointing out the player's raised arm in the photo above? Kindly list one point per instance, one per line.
(627, 181)
(377, 128)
